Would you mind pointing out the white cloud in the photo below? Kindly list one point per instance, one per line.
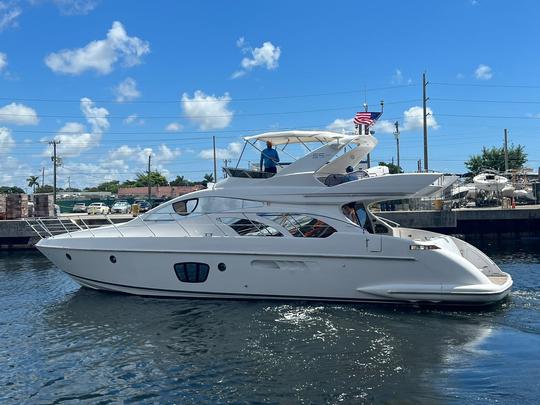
(384, 126)
(483, 72)
(174, 127)
(6, 140)
(100, 55)
(413, 119)
(266, 56)
(397, 77)
(13, 172)
(96, 116)
(341, 125)
(167, 154)
(241, 42)
(127, 90)
(76, 7)
(133, 119)
(74, 139)
(3, 61)
(18, 114)
(123, 152)
(232, 150)
(208, 112)
(8, 15)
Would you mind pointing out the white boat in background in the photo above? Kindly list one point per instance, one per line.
(291, 235)
(524, 194)
(508, 191)
(490, 181)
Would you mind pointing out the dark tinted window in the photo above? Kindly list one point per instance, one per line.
(191, 272)
(302, 226)
(185, 207)
(247, 227)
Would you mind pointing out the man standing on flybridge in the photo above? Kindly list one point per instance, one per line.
(269, 157)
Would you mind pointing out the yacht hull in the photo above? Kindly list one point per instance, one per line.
(331, 274)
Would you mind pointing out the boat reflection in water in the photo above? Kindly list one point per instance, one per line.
(221, 351)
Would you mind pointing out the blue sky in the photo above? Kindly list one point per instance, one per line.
(117, 80)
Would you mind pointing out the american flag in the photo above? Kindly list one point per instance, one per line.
(366, 118)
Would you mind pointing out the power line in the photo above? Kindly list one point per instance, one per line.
(517, 86)
(245, 99)
(231, 114)
(465, 100)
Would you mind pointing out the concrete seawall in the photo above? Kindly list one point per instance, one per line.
(474, 222)
(17, 234)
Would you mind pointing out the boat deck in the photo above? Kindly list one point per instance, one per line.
(499, 280)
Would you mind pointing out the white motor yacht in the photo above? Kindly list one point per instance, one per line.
(305, 233)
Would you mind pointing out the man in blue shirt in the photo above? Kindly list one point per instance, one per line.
(269, 157)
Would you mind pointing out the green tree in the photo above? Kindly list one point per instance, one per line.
(392, 168)
(45, 189)
(493, 158)
(181, 181)
(110, 186)
(11, 190)
(156, 179)
(208, 178)
(33, 182)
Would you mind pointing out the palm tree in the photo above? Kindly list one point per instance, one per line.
(209, 178)
(33, 182)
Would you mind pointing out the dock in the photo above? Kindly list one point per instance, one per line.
(16, 234)
(478, 223)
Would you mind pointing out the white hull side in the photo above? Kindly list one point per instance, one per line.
(330, 274)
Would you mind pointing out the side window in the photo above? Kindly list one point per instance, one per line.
(302, 226)
(191, 272)
(247, 227)
(185, 207)
(363, 217)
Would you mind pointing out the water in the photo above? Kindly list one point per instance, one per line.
(63, 344)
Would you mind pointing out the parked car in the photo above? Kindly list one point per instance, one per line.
(79, 207)
(97, 208)
(144, 205)
(121, 207)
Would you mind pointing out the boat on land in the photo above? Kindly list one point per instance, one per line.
(490, 181)
(304, 233)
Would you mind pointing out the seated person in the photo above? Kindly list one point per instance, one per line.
(350, 212)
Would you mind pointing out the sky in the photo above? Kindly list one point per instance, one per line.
(117, 81)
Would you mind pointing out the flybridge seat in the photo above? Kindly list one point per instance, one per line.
(246, 173)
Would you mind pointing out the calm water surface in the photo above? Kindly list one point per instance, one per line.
(63, 344)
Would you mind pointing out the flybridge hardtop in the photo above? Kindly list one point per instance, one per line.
(307, 177)
(305, 232)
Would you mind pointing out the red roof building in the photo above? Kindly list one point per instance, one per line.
(157, 191)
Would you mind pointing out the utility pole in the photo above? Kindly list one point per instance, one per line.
(55, 163)
(149, 180)
(424, 101)
(396, 134)
(69, 183)
(506, 150)
(215, 162)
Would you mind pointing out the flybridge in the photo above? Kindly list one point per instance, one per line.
(316, 159)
